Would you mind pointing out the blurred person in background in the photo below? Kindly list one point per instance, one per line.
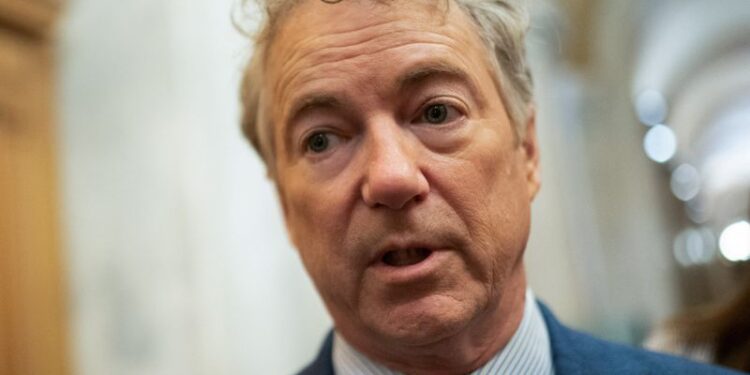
(401, 139)
(718, 333)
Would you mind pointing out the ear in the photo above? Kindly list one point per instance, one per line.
(530, 149)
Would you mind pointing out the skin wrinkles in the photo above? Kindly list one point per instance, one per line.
(453, 88)
(308, 52)
(312, 46)
(375, 26)
(314, 50)
(320, 74)
(320, 61)
(470, 201)
(414, 77)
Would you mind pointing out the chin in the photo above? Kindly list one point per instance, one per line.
(422, 322)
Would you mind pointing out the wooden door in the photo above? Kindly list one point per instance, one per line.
(32, 304)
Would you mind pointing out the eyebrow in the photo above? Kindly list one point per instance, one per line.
(306, 103)
(432, 70)
(413, 77)
(314, 101)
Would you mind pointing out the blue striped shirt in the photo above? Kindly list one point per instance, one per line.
(527, 352)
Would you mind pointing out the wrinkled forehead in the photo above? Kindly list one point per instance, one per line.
(330, 17)
(314, 24)
(315, 32)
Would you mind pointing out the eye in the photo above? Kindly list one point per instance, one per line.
(321, 141)
(439, 113)
(436, 113)
(318, 142)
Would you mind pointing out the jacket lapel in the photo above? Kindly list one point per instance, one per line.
(564, 356)
(323, 364)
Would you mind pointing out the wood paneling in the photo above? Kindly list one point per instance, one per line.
(32, 304)
(34, 17)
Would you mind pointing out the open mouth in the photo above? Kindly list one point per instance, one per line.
(405, 257)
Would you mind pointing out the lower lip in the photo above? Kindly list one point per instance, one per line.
(405, 274)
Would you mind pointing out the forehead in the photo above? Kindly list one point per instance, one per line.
(359, 48)
(341, 21)
(318, 40)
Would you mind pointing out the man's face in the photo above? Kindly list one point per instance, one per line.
(403, 185)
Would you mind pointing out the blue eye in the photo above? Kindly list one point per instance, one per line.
(317, 143)
(436, 113)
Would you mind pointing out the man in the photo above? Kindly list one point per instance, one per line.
(401, 139)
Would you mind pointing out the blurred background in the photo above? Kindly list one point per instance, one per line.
(139, 236)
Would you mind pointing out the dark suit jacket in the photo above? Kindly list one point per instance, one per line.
(576, 353)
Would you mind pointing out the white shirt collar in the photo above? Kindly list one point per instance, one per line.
(527, 352)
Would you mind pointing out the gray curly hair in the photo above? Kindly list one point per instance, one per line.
(501, 24)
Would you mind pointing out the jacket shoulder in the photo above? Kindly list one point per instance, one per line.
(579, 353)
(575, 352)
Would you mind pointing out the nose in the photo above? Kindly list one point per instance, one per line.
(393, 177)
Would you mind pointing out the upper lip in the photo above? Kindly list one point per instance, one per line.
(395, 244)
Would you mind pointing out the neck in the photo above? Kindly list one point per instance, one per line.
(483, 337)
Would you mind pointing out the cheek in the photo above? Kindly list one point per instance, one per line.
(505, 201)
(486, 188)
(509, 223)
(312, 211)
(486, 182)
(308, 221)
(316, 220)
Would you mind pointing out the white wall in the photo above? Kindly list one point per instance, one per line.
(179, 262)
